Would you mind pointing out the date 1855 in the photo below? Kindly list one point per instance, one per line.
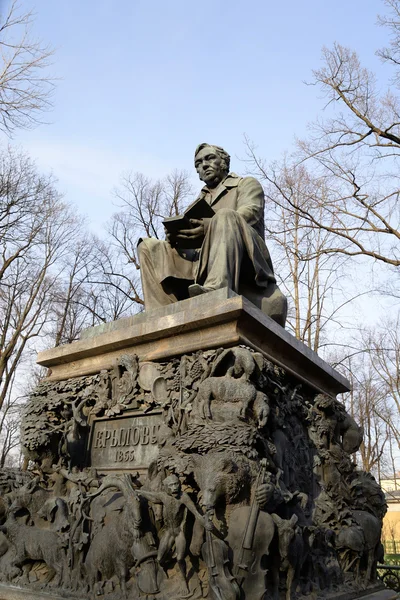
(124, 455)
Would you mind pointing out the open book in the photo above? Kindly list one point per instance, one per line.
(200, 209)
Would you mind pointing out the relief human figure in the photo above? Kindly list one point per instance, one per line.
(175, 506)
(225, 250)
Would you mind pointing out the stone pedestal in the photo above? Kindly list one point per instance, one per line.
(194, 451)
(9, 592)
(218, 319)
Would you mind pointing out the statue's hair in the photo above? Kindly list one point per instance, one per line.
(224, 156)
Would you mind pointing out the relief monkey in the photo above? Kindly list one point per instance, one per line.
(175, 505)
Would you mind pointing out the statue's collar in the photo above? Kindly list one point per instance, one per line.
(230, 181)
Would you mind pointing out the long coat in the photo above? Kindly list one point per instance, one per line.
(243, 195)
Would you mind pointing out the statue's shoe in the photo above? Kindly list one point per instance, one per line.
(196, 290)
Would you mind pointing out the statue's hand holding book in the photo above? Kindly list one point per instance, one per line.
(187, 230)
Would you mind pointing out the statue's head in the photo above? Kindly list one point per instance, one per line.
(211, 163)
(172, 485)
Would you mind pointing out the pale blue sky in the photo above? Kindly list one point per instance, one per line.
(143, 82)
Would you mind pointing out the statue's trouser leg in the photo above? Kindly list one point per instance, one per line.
(153, 291)
(224, 246)
(164, 272)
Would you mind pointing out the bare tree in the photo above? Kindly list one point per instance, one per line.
(384, 351)
(365, 401)
(144, 204)
(372, 365)
(36, 231)
(112, 287)
(10, 417)
(311, 276)
(25, 84)
(391, 53)
(354, 151)
(72, 292)
(90, 288)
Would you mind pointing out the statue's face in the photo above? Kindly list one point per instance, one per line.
(210, 166)
(174, 487)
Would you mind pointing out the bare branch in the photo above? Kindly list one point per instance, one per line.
(26, 88)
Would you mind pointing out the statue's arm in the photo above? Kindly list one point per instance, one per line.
(250, 200)
(190, 505)
(156, 497)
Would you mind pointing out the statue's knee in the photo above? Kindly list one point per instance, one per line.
(224, 223)
(146, 245)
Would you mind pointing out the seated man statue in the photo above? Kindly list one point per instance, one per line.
(224, 250)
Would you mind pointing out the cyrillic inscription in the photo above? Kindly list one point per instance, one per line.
(125, 442)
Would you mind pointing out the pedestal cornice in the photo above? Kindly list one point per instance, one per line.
(217, 319)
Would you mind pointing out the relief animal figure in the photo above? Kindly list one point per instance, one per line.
(358, 545)
(340, 427)
(371, 527)
(350, 546)
(291, 551)
(319, 574)
(351, 434)
(221, 391)
(35, 544)
(121, 541)
(221, 478)
(41, 502)
(285, 458)
(238, 363)
(260, 410)
(11, 481)
(66, 440)
(24, 495)
(367, 494)
(73, 439)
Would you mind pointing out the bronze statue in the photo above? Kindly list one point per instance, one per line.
(226, 249)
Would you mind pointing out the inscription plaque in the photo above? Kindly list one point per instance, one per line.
(125, 442)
